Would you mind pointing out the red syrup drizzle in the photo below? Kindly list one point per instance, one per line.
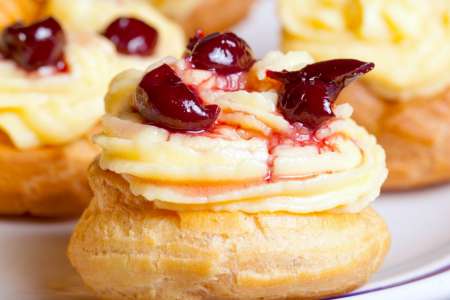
(298, 137)
(32, 48)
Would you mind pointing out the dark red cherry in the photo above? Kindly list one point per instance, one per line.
(339, 71)
(132, 36)
(226, 53)
(199, 34)
(35, 46)
(164, 100)
(309, 94)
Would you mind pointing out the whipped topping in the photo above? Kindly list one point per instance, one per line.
(253, 160)
(409, 40)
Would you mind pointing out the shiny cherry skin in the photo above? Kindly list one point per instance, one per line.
(225, 53)
(308, 95)
(38, 45)
(132, 36)
(199, 34)
(165, 101)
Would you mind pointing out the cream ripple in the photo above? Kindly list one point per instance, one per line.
(408, 40)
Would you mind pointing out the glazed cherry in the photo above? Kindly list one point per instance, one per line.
(35, 46)
(165, 101)
(199, 34)
(226, 53)
(132, 36)
(309, 94)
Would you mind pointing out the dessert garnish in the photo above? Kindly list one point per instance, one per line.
(164, 100)
(199, 34)
(225, 53)
(39, 45)
(132, 36)
(308, 95)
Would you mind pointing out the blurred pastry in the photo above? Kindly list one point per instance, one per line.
(207, 15)
(140, 33)
(51, 95)
(225, 178)
(12, 11)
(405, 101)
(50, 99)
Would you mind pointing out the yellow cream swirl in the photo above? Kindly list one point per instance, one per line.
(242, 164)
(46, 109)
(51, 109)
(95, 16)
(409, 40)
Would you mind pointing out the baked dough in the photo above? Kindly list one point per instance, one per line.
(17, 11)
(124, 248)
(208, 15)
(47, 181)
(415, 134)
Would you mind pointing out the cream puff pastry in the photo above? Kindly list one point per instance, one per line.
(405, 101)
(136, 20)
(17, 11)
(51, 99)
(225, 178)
(207, 15)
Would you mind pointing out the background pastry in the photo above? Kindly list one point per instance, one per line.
(209, 179)
(139, 31)
(207, 15)
(12, 11)
(405, 101)
(50, 99)
(51, 96)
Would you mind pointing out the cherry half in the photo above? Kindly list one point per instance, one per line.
(225, 53)
(165, 101)
(132, 36)
(308, 95)
(35, 46)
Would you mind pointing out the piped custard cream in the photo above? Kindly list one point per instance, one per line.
(252, 159)
(45, 109)
(40, 107)
(408, 40)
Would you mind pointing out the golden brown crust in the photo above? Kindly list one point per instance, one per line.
(125, 249)
(415, 135)
(48, 181)
(215, 15)
(12, 11)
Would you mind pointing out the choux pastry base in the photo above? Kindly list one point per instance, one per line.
(415, 135)
(12, 11)
(124, 248)
(215, 15)
(47, 181)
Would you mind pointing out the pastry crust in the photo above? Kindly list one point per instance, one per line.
(415, 134)
(124, 248)
(47, 181)
(214, 15)
(12, 11)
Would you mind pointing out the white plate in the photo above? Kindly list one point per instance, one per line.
(33, 264)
